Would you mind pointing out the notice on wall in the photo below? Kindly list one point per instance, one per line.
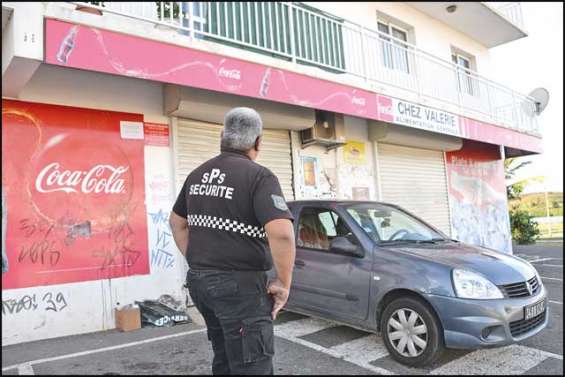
(156, 134)
(309, 171)
(131, 130)
(354, 153)
(74, 193)
(410, 114)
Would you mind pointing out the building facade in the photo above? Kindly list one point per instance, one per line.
(106, 109)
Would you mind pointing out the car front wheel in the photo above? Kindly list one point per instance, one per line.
(411, 332)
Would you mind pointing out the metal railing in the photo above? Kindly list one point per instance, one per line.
(304, 35)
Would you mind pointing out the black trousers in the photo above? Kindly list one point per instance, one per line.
(237, 310)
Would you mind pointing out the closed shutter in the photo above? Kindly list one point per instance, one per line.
(197, 142)
(415, 180)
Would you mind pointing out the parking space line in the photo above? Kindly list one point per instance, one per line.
(328, 351)
(362, 350)
(545, 277)
(556, 302)
(25, 370)
(540, 260)
(513, 359)
(302, 327)
(98, 350)
(551, 265)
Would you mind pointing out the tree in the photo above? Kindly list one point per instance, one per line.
(524, 229)
(511, 165)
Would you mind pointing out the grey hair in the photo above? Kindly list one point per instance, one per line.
(242, 126)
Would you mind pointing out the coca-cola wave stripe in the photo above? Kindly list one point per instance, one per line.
(74, 192)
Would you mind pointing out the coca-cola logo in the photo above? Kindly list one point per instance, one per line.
(230, 73)
(99, 179)
(229, 77)
(358, 101)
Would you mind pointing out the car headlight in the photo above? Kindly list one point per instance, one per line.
(469, 284)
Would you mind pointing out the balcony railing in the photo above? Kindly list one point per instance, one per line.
(301, 34)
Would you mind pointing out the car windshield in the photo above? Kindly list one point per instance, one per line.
(389, 225)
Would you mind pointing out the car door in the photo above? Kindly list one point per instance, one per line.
(324, 281)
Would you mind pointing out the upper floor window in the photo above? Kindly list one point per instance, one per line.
(394, 52)
(466, 81)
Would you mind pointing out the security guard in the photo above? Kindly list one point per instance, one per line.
(226, 210)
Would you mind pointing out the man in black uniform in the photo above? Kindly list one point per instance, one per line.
(224, 211)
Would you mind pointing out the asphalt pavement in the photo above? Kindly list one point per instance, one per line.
(303, 345)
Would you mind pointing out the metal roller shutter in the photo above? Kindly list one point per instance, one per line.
(415, 180)
(196, 142)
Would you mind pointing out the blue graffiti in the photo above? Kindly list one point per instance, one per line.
(162, 258)
(163, 251)
(160, 217)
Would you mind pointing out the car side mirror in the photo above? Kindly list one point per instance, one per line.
(342, 245)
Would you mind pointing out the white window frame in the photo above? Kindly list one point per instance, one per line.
(466, 84)
(394, 64)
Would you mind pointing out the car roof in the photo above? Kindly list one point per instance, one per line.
(339, 202)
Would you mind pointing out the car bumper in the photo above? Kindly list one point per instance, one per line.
(469, 324)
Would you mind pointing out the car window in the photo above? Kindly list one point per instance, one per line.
(317, 227)
(383, 223)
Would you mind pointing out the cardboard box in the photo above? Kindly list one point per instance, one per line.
(128, 319)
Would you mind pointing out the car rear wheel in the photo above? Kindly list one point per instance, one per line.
(411, 332)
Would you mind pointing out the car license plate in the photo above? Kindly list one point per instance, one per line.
(533, 310)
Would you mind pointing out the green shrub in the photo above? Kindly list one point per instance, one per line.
(524, 229)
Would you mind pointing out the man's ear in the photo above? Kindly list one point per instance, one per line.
(257, 143)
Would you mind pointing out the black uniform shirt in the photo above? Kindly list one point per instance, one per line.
(227, 201)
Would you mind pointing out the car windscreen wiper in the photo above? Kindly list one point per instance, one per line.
(439, 240)
(394, 242)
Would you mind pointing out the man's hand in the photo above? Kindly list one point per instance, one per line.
(280, 296)
(280, 235)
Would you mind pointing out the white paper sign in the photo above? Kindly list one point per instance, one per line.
(131, 130)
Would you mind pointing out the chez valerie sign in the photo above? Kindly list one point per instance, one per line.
(83, 47)
(413, 115)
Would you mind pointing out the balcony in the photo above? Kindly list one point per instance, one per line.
(491, 24)
(511, 11)
(307, 36)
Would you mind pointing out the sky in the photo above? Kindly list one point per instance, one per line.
(531, 62)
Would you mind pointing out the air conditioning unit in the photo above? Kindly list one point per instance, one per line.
(328, 131)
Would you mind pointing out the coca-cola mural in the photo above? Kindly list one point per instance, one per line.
(75, 191)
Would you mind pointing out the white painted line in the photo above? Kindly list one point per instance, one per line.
(540, 260)
(25, 369)
(337, 355)
(556, 302)
(302, 327)
(363, 350)
(552, 265)
(98, 350)
(545, 277)
(551, 354)
(514, 359)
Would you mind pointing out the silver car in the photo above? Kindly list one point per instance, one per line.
(376, 267)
